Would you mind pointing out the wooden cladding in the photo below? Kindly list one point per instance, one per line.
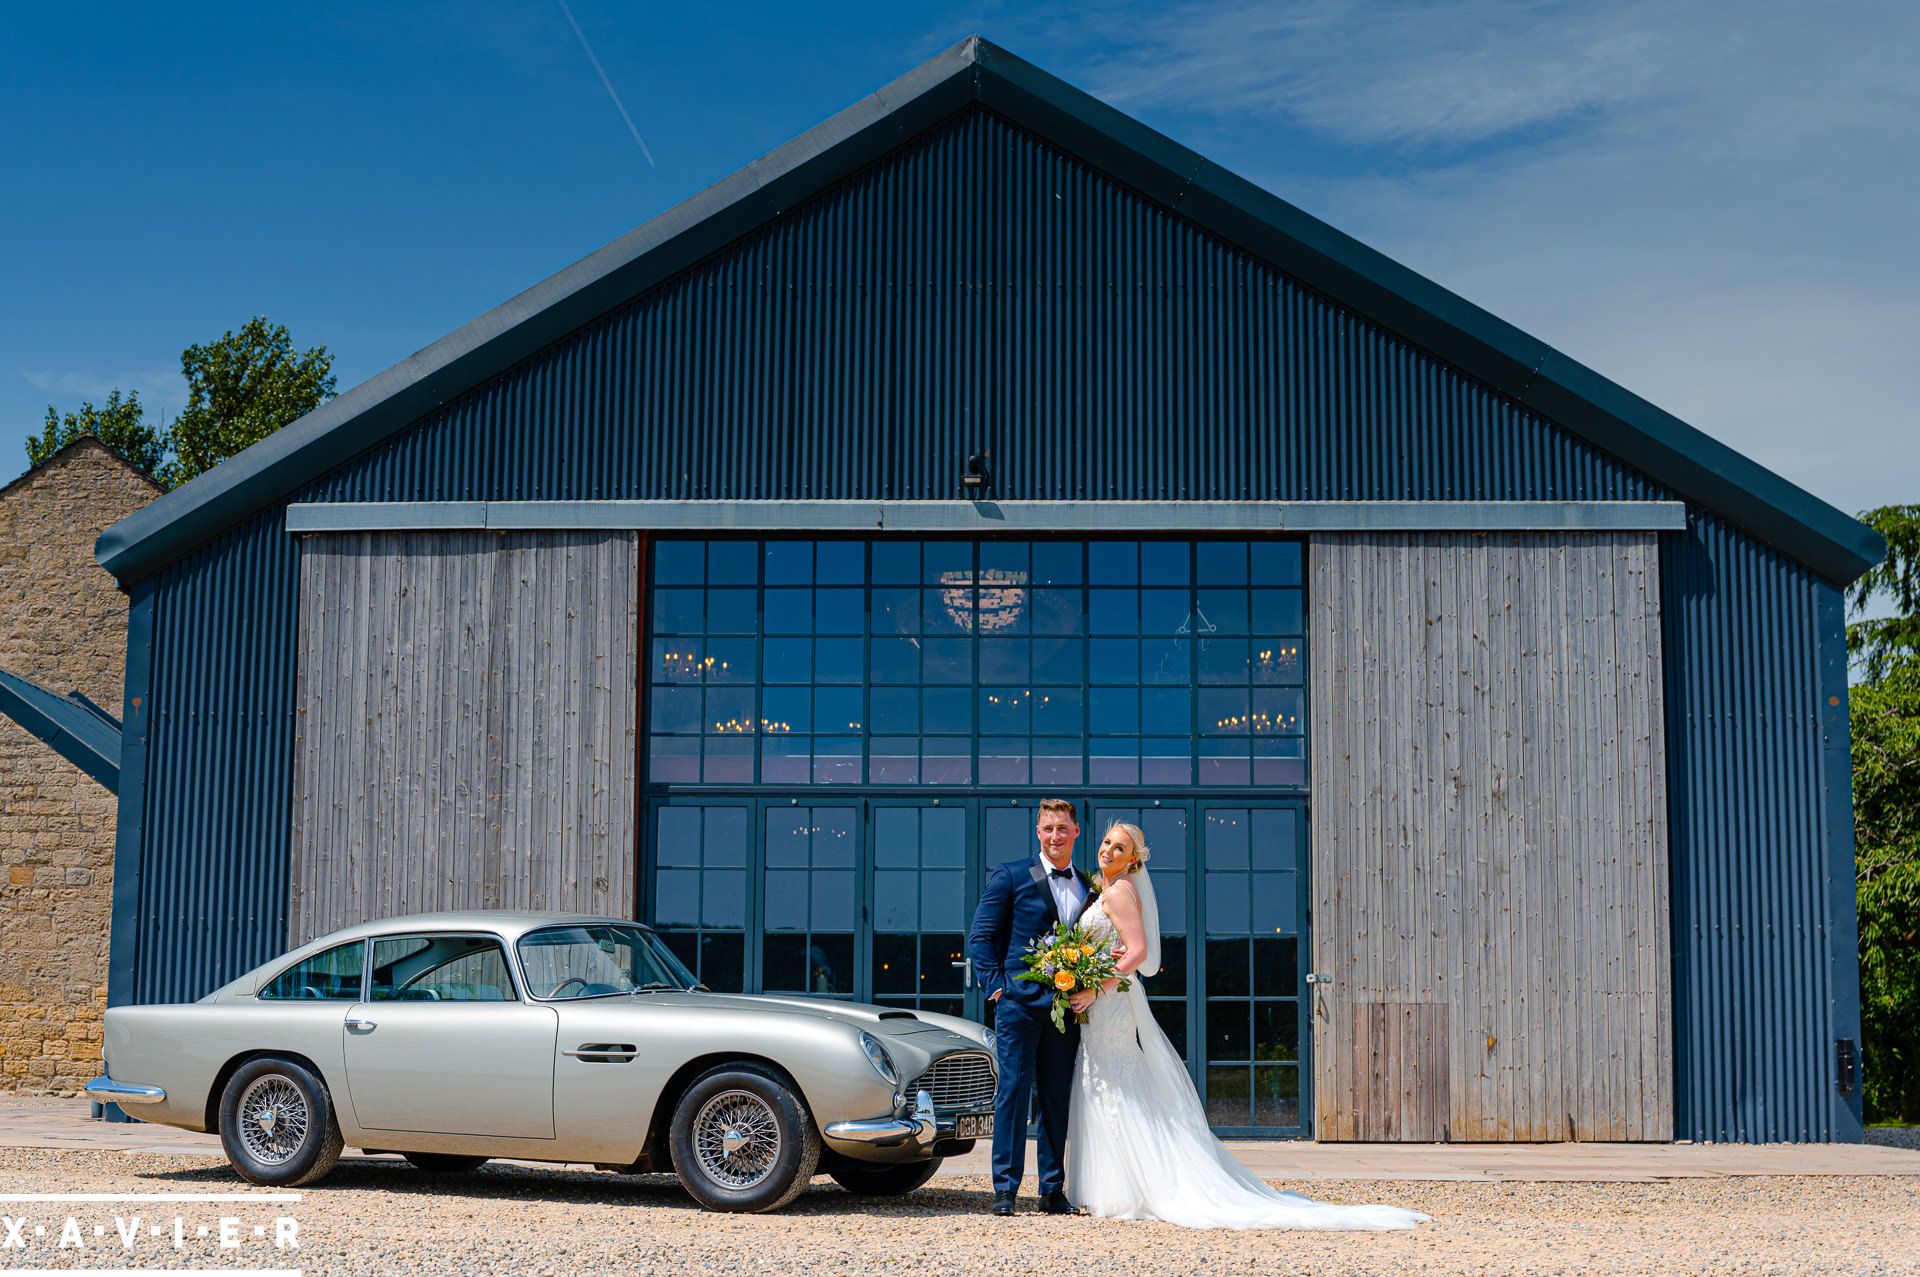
(1400, 1072)
(1489, 838)
(465, 731)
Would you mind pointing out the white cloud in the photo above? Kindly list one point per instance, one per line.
(1386, 73)
(161, 387)
(1710, 204)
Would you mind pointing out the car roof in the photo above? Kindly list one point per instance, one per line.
(508, 924)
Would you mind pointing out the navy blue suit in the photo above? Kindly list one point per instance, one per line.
(1016, 906)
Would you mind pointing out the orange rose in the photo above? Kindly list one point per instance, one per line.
(1071, 955)
(1063, 980)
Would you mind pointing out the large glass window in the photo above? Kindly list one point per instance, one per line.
(924, 662)
(919, 906)
(810, 900)
(1252, 860)
(700, 889)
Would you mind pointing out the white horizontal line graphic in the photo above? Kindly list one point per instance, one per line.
(173, 1272)
(148, 1197)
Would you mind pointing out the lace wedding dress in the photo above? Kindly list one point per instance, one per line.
(1138, 1146)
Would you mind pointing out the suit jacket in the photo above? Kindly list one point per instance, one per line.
(1016, 906)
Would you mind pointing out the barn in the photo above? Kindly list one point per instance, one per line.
(756, 575)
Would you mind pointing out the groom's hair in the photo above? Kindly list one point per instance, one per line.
(1062, 805)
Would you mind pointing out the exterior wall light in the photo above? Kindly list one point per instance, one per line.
(978, 477)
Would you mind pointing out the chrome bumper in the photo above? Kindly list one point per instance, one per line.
(921, 1131)
(108, 1091)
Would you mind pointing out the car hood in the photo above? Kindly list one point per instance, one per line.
(882, 1021)
(891, 1020)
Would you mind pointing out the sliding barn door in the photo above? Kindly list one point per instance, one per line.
(1490, 922)
(465, 727)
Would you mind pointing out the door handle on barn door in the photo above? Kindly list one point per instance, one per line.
(1315, 977)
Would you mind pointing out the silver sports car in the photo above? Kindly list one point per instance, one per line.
(457, 1037)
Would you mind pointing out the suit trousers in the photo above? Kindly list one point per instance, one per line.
(1031, 1054)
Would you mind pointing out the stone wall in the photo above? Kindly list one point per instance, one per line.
(63, 624)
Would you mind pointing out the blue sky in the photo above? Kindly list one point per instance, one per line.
(1712, 204)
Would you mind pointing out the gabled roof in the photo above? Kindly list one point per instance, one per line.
(1704, 471)
(89, 443)
(77, 729)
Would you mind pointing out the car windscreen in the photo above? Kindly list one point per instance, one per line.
(595, 960)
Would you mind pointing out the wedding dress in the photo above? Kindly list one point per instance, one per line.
(1138, 1146)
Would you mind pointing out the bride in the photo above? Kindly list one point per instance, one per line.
(1138, 1146)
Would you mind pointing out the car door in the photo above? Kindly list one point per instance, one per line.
(445, 1044)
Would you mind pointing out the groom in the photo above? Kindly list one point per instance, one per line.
(1022, 900)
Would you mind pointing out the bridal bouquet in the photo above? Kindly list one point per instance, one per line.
(1067, 959)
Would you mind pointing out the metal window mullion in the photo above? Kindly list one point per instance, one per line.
(863, 810)
(759, 661)
(1303, 962)
(866, 663)
(973, 703)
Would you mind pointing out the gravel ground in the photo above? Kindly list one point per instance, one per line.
(380, 1216)
(1894, 1136)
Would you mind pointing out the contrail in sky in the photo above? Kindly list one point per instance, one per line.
(601, 72)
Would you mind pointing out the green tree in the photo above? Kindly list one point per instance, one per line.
(1876, 643)
(1886, 815)
(242, 388)
(119, 423)
(1885, 707)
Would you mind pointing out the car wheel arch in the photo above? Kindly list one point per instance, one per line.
(227, 1070)
(660, 1125)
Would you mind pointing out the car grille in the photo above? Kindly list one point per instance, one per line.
(960, 1082)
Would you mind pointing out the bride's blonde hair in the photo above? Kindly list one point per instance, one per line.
(1138, 838)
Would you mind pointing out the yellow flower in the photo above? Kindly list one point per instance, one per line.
(1063, 980)
(1071, 955)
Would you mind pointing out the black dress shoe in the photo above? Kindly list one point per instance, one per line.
(1056, 1203)
(1003, 1203)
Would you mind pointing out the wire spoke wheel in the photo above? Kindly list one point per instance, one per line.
(736, 1139)
(273, 1119)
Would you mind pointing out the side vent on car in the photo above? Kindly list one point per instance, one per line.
(603, 1052)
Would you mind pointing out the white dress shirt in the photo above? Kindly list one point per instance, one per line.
(1067, 892)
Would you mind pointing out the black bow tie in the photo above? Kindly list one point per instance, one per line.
(1060, 873)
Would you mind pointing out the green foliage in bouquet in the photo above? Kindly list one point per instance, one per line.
(1067, 959)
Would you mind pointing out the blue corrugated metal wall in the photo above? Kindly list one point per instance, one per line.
(219, 798)
(1756, 1007)
(978, 288)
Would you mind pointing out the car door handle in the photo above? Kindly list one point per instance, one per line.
(356, 1024)
(603, 1052)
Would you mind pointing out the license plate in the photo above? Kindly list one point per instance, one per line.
(973, 1126)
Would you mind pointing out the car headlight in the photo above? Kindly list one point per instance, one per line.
(878, 1057)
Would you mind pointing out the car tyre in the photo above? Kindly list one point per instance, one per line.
(744, 1140)
(871, 1180)
(446, 1163)
(277, 1124)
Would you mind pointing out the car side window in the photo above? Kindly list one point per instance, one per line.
(440, 969)
(332, 976)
